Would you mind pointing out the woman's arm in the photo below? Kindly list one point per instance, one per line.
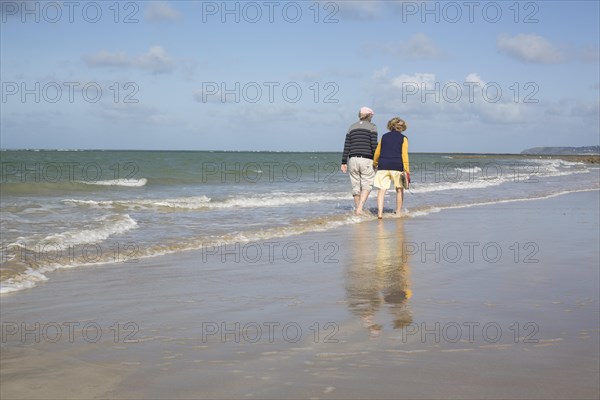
(405, 155)
(376, 155)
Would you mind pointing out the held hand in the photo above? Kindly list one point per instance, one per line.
(344, 168)
(408, 176)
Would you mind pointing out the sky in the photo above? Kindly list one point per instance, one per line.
(466, 76)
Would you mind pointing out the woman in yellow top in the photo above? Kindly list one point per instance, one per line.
(391, 159)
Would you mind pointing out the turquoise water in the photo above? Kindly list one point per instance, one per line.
(63, 209)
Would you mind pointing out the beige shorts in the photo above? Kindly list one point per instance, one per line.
(361, 174)
(384, 177)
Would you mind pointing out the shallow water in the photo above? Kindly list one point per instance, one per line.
(61, 209)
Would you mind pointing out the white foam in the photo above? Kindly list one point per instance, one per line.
(26, 281)
(204, 202)
(109, 225)
(572, 163)
(277, 200)
(470, 170)
(422, 213)
(188, 203)
(301, 227)
(547, 168)
(118, 182)
(90, 203)
(460, 185)
(31, 277)
(557, 166)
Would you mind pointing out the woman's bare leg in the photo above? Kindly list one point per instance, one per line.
(380, 198)
(399, 200)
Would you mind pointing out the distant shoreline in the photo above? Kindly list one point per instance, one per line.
(589, 159)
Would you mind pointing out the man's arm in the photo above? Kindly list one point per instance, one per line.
(345, 154)
(346, 149)
(374, 140)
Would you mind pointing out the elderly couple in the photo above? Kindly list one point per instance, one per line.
(362, 155)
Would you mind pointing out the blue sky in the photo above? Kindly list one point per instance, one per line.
(467, 76)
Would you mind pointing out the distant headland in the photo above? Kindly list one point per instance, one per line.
(564, 151)
(588, 154)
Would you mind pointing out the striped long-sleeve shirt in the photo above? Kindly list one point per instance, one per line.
(361, 140)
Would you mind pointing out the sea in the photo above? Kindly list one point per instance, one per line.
(79, 208)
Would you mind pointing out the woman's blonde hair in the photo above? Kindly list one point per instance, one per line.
(396, 124)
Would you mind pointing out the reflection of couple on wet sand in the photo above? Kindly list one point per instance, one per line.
(383, 280)
(362, 155)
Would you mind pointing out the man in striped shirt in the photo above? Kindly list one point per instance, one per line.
(357, 159)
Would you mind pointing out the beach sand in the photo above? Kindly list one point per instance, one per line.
(497, 301)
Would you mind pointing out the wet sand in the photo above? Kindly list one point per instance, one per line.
(497, 301)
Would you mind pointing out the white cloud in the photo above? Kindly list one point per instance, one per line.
(159, 11)
(420, 79)
(417, 47)
(503, 112)
(188, 69)
(155, 60)
(106, 59)
(213, 94)
(355, 9)
(424, 95)
(381, 73)
(474, 77)
(529, 48)
(587, 112)
(361, 9)
(135, 114)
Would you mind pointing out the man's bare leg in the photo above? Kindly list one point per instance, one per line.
(361, 202)
(356, 201)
